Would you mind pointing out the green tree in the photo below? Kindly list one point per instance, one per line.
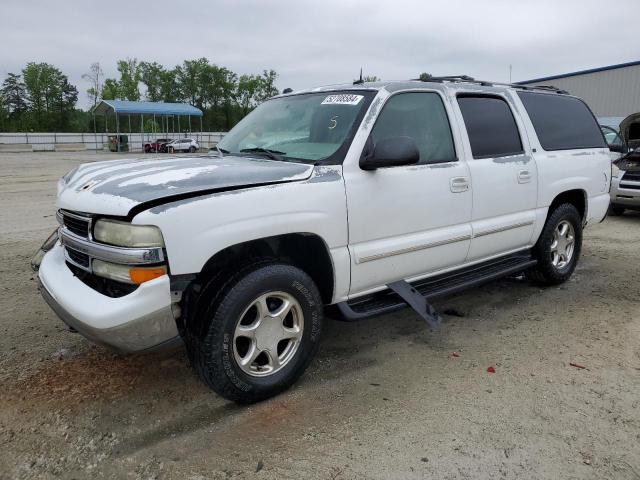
(129, 83)
(267, 87)
(425, 77)
(48, 91)
(191, 77)
(111, 90)
(14, 94)
(152, 76)
(248, 92)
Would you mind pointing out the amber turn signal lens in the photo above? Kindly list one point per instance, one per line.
(141, 275)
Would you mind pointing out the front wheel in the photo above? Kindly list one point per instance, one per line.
(170, 149)
(261, 330)
(558, 248)
(192, 149)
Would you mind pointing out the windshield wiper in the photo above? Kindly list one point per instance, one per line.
(272, 154)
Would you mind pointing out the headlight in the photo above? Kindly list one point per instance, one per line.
(124, 234)
(127, 274)
(615, 171)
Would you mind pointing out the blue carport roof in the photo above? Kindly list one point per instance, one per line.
(127, 107)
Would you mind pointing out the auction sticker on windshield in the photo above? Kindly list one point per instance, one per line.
(342, 99)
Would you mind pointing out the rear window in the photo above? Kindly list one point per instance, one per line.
(490, 125)
(562, 122)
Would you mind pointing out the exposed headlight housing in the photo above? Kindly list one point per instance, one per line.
(615, 171)
(126, 273)
(123, 234)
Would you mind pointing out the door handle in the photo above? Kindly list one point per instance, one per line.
(459, 184)
(524, 176)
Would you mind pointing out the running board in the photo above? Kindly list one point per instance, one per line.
(390, 300)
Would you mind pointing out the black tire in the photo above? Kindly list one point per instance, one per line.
(616, 210)
(192, 149)
(545, 272)
(210, 339)
(170, 150)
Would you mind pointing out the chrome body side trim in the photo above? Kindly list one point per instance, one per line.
(415, 248)
(109, 253)
(502, 229)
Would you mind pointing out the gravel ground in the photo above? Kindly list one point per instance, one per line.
(385, 398)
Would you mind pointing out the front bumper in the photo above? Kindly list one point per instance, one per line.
(624, 195)
(139, 321)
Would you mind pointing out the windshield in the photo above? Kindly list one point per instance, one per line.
(307, 127)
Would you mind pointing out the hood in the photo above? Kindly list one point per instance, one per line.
(630, 130)
(115, 187)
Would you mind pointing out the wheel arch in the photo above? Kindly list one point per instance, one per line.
(576, 197)
(307, 251)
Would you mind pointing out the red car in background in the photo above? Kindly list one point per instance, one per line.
(160, 145)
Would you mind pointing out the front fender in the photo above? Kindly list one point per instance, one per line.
(195, 229)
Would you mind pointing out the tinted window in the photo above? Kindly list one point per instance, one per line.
(490, 125)
(562, 122)
(421, 116)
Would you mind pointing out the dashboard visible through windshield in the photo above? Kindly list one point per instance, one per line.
(311, 127)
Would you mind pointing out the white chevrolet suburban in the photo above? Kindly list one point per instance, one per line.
(366, 197)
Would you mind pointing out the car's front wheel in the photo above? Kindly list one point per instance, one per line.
(258, 333)
(192, 149)
(558, 248)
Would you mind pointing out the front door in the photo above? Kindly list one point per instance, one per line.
(503, 174)
(407, 221)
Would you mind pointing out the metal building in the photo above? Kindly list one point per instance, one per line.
(612, 91)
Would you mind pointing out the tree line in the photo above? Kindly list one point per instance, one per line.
(40, 97)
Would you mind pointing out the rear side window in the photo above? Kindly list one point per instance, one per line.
(562, 122)
(490, 125)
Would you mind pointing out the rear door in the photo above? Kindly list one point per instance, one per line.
(503, 175)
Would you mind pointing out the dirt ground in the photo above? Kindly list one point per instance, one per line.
(385, 398)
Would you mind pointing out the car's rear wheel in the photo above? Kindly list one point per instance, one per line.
(256, 334)
(558, 248)
(192, 149)
(170, 149)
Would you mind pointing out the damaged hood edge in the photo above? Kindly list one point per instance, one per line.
(126, 187)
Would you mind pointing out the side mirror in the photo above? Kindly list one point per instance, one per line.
(617, 148)
(391, 152)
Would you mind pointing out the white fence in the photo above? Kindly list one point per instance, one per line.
(42, 142)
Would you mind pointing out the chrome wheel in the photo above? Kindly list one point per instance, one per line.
(268, 334)
(563, 244)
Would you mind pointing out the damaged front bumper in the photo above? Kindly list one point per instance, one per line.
(140, 321)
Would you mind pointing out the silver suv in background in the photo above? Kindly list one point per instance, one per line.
(625, 181)
(183, 145)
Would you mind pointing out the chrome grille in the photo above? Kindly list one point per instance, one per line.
(78, 258)
(75, 223)
(631, 176)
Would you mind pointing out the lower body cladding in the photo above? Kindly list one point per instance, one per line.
(625, 193)
(140, 321)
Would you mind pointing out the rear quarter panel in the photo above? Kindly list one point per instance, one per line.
(588, 170)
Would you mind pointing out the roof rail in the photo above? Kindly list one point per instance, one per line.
(484, 83)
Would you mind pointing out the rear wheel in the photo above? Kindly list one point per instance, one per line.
(558, 247)
(170, 149)
(192, 149)
(258, 332)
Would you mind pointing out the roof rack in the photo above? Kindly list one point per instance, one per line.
(484, 83)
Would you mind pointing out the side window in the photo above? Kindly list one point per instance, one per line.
(562, 122)
(490, 125)
(421, 116)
